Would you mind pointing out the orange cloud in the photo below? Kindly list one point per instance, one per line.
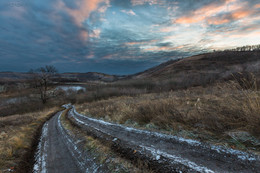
(85, 8)
(257, 6)
(240, 14)
(201, 13)
(218, 21)
(214, 9)
(82, 13)
(189, 20)
(141, 42)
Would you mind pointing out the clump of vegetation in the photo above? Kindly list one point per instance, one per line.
(16, 136)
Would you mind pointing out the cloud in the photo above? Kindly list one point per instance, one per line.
(257, 6)
(209, 12)
(85, 7)
(129, 12)
(81, 11)
(142, 2)
(94, 35)
(217, 21)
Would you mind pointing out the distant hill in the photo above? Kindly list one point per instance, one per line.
(195, 70)
(90, 76)
(10, 77)
(204, 68)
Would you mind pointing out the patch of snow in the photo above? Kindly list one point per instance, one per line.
(178, 160)
(41, 154)
(67, 106)
(68, 88)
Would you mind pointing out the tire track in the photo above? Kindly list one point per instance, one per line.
(58, 151)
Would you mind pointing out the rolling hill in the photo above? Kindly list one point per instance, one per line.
(12, 77)
(204, 68)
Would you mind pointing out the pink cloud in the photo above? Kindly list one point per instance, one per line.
(82, 13)
(234, 7)
(241, 14)
(85, 8)
(257, 6)
(217, 21)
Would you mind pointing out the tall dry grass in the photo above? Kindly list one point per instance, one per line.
(16, 135)
(216, 109)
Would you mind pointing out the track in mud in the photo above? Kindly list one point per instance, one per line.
(59, 152)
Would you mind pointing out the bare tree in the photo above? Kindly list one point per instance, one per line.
(42, 78)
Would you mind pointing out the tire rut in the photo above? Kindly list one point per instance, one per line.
(60, 152)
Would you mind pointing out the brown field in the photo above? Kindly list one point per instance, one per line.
(17, 134)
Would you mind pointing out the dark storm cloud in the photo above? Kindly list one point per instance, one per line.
(115, 36)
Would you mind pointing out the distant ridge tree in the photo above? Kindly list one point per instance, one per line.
(246, 48)
(42, 78)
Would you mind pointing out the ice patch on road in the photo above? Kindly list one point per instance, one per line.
(175, 159)
(41, 154)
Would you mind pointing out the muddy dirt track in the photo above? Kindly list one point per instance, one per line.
(60, 152)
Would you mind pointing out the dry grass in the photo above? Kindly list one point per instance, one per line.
(213, 110)
(16, 136)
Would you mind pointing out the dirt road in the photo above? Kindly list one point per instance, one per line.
(58, 151)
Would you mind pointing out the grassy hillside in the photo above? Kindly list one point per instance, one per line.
(203, 69)
(213, 97)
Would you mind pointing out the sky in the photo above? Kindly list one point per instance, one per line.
(120, 36)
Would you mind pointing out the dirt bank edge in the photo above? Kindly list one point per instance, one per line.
(26, 165)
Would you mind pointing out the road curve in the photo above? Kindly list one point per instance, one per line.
(59, 152)
(178, 154)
